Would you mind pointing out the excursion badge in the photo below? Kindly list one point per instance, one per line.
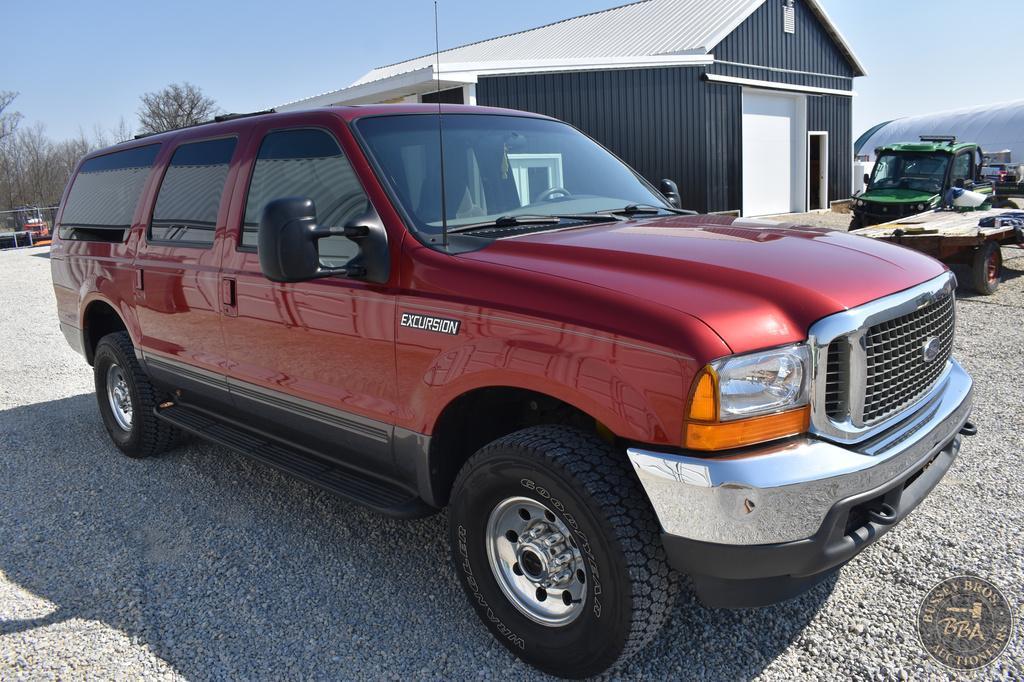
(441, 325)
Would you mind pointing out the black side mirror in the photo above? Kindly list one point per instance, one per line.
(288, 236)
(670, 190)
(867, 179)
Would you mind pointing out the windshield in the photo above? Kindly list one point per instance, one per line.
(920, 171)
(497, 166)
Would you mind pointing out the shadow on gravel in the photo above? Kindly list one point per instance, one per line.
(224, 568)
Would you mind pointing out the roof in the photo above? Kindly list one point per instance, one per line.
(235, 122)
(928, 147)
(648, 32)
(991, 126)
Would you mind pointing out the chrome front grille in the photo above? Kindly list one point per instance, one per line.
(897, 373)
(837, 377)
(871, 367)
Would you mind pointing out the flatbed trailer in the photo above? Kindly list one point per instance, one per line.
(956, 238)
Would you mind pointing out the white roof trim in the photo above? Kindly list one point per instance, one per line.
(640, 34)
(832, 28)
(769, 85)
(454, 74)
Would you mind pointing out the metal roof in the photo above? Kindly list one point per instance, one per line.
(995, 127)
(649, 29)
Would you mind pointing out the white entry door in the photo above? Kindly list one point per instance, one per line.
(774, 152)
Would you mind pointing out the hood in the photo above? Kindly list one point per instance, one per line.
(756, 284)
(897, 196)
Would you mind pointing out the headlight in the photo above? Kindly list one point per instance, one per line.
(920, 207)
(762, 383)
(859, 202)
(748, 399)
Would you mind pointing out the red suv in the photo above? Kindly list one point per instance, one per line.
(604, 391)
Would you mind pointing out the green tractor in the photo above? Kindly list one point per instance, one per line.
(912, 177)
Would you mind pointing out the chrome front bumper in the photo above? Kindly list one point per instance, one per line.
(783, 492)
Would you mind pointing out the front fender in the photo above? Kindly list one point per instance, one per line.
(635, 390)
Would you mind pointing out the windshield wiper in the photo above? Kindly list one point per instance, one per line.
(508, 221)
(648, 209)
(539, 219)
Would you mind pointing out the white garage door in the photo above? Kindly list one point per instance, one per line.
(774, 147)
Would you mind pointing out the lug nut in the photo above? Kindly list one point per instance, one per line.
(553, 539)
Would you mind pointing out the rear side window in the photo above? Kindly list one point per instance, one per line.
(105, 194)
(186, 207)
(306, 163)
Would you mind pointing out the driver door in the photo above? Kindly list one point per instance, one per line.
(312, 362)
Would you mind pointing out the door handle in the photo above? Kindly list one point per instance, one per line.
(228, 300)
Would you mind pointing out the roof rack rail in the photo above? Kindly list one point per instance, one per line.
(948, 139)
(219, 118)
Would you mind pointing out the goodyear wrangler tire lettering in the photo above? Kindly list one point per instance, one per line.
(583, 542)
(467, 569)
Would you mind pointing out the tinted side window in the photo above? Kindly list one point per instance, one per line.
(105, 193)
(186, 207)
(306, 163)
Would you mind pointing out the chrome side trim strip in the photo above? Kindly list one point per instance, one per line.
(782, 492)
(305, 408)
(340, 419)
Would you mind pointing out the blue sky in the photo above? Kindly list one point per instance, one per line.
(84, 64)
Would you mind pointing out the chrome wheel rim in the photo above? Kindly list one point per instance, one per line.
(119, 397)
(536, 562)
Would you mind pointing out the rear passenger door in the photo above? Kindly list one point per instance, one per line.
(177, 272)
(311, 362)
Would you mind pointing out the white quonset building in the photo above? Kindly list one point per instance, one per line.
(996, 127)
(746, 104)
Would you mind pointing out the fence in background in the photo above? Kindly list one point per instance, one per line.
(26, 226)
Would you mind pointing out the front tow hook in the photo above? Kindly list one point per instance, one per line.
(885, 515)
(968, 429)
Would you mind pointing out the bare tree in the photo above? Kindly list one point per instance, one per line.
(122, 132)
(8, 119)
(177, 105)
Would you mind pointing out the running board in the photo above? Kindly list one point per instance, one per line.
(352, 485)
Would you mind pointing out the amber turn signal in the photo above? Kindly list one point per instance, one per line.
(704, 402)
(734, 434)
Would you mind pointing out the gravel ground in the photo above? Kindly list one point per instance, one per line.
(203, 565)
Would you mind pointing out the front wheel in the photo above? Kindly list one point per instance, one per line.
(559, 551)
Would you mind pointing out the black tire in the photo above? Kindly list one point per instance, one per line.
(593, 490)
(987, 268)
(147, 435)
(855, 222)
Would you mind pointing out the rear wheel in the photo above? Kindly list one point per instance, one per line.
(127, 399)
(987, 268)
(559, 551)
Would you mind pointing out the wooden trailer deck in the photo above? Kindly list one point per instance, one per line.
(953, 237)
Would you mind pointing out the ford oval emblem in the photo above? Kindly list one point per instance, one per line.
(930, 349)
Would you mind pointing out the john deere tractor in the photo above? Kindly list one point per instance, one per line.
(912, 177)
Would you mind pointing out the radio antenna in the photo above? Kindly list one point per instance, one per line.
(440, 131)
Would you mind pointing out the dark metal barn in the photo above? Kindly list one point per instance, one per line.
(745, 103)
